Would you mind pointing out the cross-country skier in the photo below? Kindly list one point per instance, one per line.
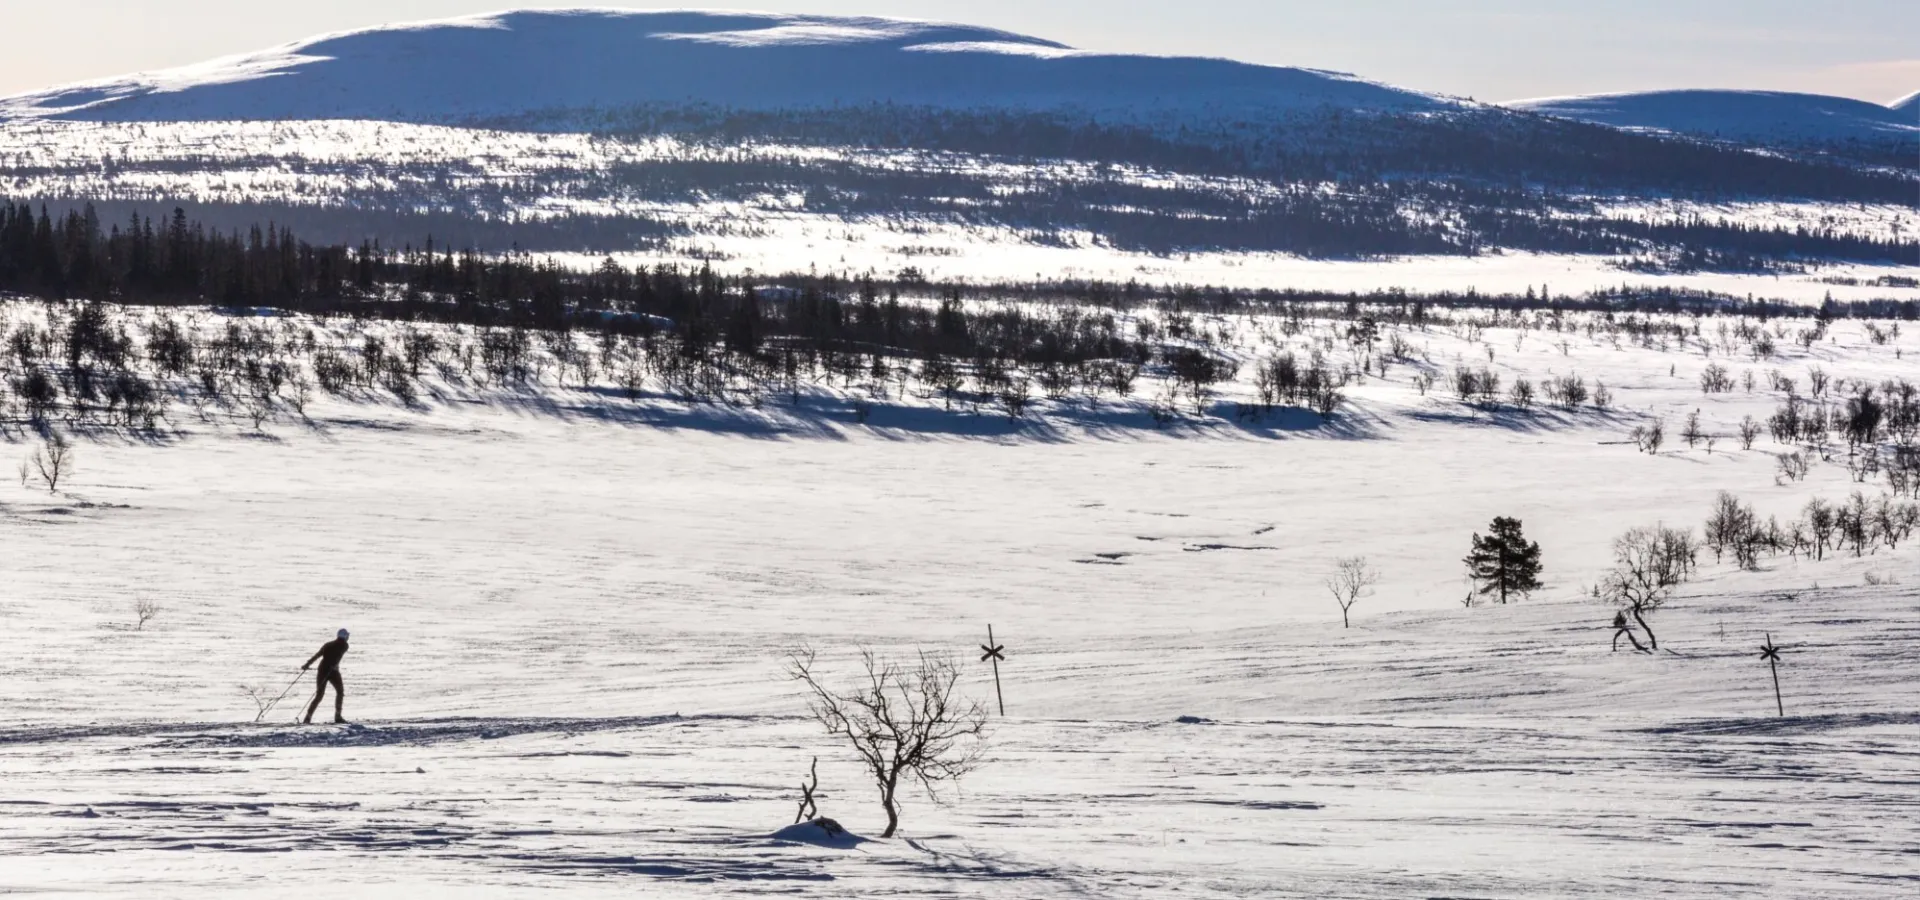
(1622, 629)
(329, 656)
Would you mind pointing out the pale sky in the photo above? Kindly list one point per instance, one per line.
(1487, 49)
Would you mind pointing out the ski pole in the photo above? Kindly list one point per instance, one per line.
(276, 701)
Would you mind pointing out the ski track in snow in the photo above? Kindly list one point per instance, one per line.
(570, 612)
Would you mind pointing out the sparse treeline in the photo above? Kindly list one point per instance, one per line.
(1491, 146)
(690, 331)
(1651, 562)
(705, 336)
(72, 254)
(1332, 208)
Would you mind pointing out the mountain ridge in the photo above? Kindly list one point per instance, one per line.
(521, 67)
(519, 62)
(1747, 116)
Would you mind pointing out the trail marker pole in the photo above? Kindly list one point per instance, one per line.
(993, 652)
(1771, 654)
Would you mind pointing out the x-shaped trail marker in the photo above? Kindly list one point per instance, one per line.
(994, 653)
(1771, 654)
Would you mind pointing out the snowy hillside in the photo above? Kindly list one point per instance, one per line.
(1909, 108)
(788, 142)
(793, 205)
(1764, 117)
(523, 62)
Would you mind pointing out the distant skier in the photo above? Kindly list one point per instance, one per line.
(329, 656)
(1622, 629)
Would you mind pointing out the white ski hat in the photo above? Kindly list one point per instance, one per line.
(343, 634)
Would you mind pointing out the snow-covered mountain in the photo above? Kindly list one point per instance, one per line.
(1762, 117)
(747, 135)
(1908, 107)
(514, 63)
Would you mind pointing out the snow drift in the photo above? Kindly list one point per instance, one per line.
(513, 63)
(1767, 117)
(822, 832)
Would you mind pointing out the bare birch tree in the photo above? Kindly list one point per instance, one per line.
(53, 462)
(1351, 578)
(905, 723)
(1648, 564)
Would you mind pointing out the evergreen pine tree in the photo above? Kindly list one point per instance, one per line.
(1504, 563)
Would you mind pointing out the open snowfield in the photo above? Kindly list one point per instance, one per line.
(569, 613)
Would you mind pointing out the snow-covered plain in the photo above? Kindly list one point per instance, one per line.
(569, 613)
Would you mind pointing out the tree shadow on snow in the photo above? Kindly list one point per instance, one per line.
(1787, 725)
(831, 417)
(1538, 419)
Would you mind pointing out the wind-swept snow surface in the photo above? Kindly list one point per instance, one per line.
(569, 610)
(533, 61)
(1764, 117)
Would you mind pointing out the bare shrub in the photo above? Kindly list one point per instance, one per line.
(1733, 527)
(1649, 437)
(1647, 564)
(258, 407)
(300, 394)
(1521, 394)
(1602, 398)
(905, 723)
(144, 611)
(52, 462)
(1821, 525)
(1567, 391)
(1016, 396)
(1351, 577)
(1690, 432)
(939, 373)
(1715, 379)
(1793, 466)
(1853, 523)
(263, 698)
(1119, 375)
(334, 372)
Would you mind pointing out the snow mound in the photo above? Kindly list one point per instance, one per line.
(514, 63)
(1759, 116)
(821, 832)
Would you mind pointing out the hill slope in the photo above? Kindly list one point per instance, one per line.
(1908, 108)
(520, 62)
(1764, 117)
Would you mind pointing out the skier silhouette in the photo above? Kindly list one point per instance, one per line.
(329, 656)
(1622, 629)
